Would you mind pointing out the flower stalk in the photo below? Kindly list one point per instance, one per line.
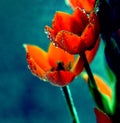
(89, 72)
(69, 100)
(92, 84)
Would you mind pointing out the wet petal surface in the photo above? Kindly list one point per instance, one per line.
(37, 60)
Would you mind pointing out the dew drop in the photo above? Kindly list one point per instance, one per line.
(53, 43)
(83, 10)
(97, 9)
(46, 31)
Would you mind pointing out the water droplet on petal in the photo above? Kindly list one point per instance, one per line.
(46, 31)
(53, 43)
(97, 9)
(83, 10)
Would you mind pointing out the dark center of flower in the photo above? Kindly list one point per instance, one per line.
(60, 66)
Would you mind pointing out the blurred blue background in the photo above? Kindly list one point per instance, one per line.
(23, 97)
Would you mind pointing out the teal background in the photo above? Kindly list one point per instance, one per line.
(23, 97)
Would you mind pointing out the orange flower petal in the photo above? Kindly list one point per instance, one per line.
(61, 21)
(78, 66)
(80, 20)
(101, 84)
(74, 23)
(101, 116)
(69, 42)
(56, 55)
(91, 32)
(60, 78)
(88, 5)
(35, 69)
(91, 53)
(37, 60)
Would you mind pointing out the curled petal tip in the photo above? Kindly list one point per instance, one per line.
(24, 46)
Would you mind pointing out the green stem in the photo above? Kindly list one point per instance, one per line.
(69, 100)
(92, 85)
(89, 72)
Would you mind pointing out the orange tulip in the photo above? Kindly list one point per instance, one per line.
(56, 65)
(88, 5)
(74, 33)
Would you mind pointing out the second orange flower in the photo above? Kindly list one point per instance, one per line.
(74, 33)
